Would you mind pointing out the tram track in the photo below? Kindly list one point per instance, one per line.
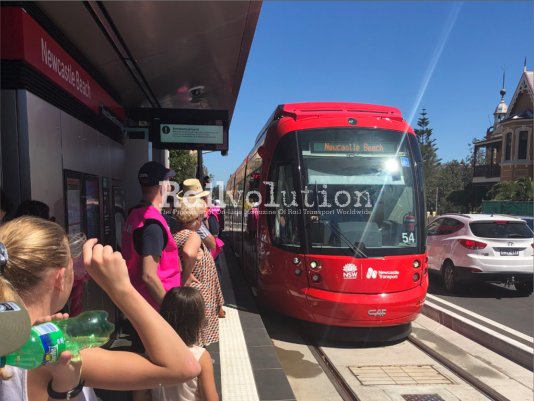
(340, 384)
(483, 388)
(347, 393)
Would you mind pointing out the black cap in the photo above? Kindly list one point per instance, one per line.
(151, 173)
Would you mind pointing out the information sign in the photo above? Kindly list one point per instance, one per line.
(201, 134)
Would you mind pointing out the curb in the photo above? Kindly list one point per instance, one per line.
(504, 346)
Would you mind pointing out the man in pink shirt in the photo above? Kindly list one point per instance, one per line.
(147, 243)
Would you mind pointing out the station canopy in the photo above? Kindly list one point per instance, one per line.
(159, 54)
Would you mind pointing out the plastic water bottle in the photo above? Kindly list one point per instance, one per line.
(48, 340)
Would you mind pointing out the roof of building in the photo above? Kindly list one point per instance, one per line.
(501, 108)
(525, 87)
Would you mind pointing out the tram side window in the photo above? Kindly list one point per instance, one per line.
(284, 223)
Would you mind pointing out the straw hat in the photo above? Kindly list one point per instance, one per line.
(192, 188)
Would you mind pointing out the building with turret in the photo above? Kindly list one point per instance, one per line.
(506, 152)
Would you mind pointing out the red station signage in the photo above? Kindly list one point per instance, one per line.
(22, 38)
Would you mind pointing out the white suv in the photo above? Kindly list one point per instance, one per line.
(486, 247)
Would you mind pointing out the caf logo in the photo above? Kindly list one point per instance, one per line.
(165, 129)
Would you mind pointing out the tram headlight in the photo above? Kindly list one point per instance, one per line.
(314, 265)
(416, 264)
(298, 272)
(416, 277)
(316, 277)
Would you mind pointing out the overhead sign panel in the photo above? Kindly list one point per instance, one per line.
(198, 134)
(187, 129)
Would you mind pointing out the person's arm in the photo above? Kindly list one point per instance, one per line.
(207, 238)
(190, 253)
(64, 374)
(213, 225)
(152, 247)
(151, 278)
(221, 221)
(206, 380)
(168, 360)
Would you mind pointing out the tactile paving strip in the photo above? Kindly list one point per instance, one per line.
(398, 374)
(422, 397)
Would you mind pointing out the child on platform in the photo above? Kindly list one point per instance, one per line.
(183, 309)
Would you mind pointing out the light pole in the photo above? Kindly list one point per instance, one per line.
(437, 189)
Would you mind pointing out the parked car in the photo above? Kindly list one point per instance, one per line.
(485, 247)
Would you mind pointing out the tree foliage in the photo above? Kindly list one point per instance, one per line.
(184, 163)
(431, 162)
(518, 190)
(454, 180)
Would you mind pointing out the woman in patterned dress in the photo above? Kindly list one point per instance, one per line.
(198, 266)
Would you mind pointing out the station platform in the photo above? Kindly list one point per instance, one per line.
(248, 367)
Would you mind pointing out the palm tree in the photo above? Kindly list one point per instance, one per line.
(521, 189)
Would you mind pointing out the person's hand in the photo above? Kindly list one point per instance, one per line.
(106, 267)
(66, 372)
(190, 280)
(49, 318)
(200, 254)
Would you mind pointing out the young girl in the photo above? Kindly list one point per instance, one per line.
(183, 309)
(39, 267)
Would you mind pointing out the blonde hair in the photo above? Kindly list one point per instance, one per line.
(189, 209)
(33, 245)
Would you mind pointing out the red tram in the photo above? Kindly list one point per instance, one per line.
(327, 215)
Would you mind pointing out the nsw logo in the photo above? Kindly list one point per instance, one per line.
(350, 271)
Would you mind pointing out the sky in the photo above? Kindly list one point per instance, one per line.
(447, 57)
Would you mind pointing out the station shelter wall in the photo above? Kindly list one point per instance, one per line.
(48, 142)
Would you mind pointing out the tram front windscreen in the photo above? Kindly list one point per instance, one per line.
(359, 192)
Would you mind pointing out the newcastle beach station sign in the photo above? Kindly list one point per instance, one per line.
(23, 39)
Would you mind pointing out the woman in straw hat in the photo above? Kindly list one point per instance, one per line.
(199, 269)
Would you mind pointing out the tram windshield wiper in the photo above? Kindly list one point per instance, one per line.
(357, 252)
(355, 249)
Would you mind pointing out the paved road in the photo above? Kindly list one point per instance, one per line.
(492, 301)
